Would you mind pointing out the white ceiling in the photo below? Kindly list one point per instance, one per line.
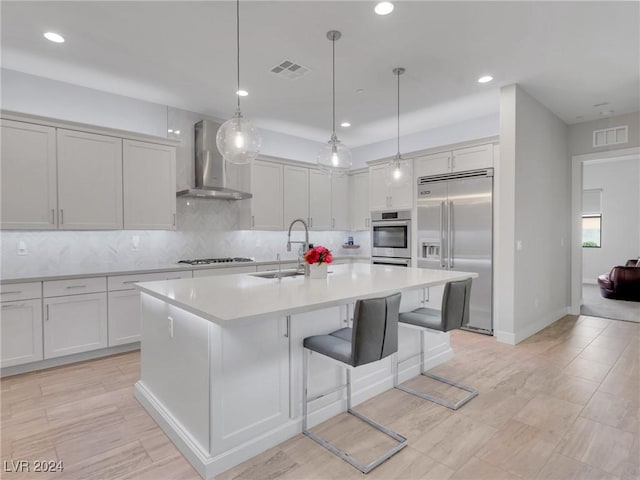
(569, 55)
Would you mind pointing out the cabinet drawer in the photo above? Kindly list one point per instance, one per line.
(274, 266)
(125, 282)
(210, 272)
(58, 288)
(20, 291)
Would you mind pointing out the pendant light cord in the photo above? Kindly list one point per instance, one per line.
(238, 50)
(398, 75)
(333, 45)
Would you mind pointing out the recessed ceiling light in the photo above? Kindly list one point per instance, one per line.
(170, 130)
(242, 93)
(485, 79)
(384, 8)
(345, 124)
(177, 132)
(54, 37)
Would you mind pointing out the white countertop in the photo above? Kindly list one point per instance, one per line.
(229, 298)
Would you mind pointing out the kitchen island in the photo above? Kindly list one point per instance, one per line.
(221, 364)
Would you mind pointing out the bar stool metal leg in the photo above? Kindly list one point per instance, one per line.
(364, 468)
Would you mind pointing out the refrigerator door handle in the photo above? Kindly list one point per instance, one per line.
(442, 264)
(449, 234)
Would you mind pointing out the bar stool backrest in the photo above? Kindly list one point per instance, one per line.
(455, 304)
(375, 329)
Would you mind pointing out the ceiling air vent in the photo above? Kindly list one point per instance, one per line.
(611, 136)
(290, 70)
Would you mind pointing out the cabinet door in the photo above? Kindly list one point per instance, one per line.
(74, 324)
(472, 158)
(124, 317)
(21, 332)
(319, 200)
(28, 163)
(402, 195)
(296, 195)
(432, 164)
(340, 202)
(378, 189)
(89, 181)
(149, 177)
(359, 201)
(267, 201)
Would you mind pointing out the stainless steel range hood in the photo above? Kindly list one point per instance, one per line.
(213, 178)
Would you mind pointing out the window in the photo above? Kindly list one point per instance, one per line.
(591, 231)
(592, 218)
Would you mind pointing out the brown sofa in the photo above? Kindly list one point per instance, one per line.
(621, 283)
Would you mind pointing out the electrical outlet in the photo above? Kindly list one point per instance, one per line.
(518, 244)
(170, 326)
(22, 248)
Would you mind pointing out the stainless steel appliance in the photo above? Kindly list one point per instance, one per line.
(391, 234)
(209, 261)
(396, 262)
(214, 178)
(455, 232)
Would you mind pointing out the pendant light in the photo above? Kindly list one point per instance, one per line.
(334, 157)
(398, 170)
(237, 140)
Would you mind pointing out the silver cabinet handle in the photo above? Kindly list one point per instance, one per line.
(70, 287)
(442, 264)
(453, 162)
(174, 219)
(46, 317)
(449, 239)
(12, 305)
(288, 326)
(61, 216)
(127, 282)
(174, 278)
(448, 163)
(310, 221)
(253, 221)
(13, 292)
(53, 216)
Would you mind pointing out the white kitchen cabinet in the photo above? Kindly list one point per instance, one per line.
(435, 164)
(267, 212)
(296, 195)
(359, 201)
(74, 324)
(89, 181)
(340, 202)
(472, 158)
(29, 188)
(383, 196)
(21, 332)
(319, 200)
(460, 160)
(149, 178)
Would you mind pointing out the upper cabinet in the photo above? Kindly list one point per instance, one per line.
(267, 202)
(89, 181)
(461, 160)
(296, 195)
(320, 200)
(359, 218)
(383, 196)
(340, 202)
(149, 174)
(69, 179)
(29, 187)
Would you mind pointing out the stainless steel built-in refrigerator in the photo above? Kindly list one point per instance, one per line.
(455, 230)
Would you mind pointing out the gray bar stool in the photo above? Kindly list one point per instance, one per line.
(373, 337)
(454, 314)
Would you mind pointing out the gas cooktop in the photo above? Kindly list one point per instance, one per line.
(208, 261)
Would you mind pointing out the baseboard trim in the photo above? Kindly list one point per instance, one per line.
(505, 337)
(59, 361)
(545, 321)
(590, 281)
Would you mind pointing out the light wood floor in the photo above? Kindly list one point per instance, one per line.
(563, 404)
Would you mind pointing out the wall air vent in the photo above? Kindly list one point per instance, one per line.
(610, 136)
(290, 70)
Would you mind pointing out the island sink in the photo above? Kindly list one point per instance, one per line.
(286, 273)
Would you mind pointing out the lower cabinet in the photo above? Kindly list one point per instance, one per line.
(21, 332)
(74, 324)
(124, 317)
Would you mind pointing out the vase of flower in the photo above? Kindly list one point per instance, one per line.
(318, 258)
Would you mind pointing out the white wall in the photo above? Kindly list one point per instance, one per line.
(537, 153)
(481, 127)
(581, 134)
(619, 181)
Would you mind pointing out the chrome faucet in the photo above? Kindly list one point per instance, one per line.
(279, 274)
(304, 245)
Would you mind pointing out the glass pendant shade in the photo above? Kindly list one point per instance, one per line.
(238, 140)
(398, 172)
(334, 157)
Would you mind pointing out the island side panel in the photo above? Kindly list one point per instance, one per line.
(175, 366)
